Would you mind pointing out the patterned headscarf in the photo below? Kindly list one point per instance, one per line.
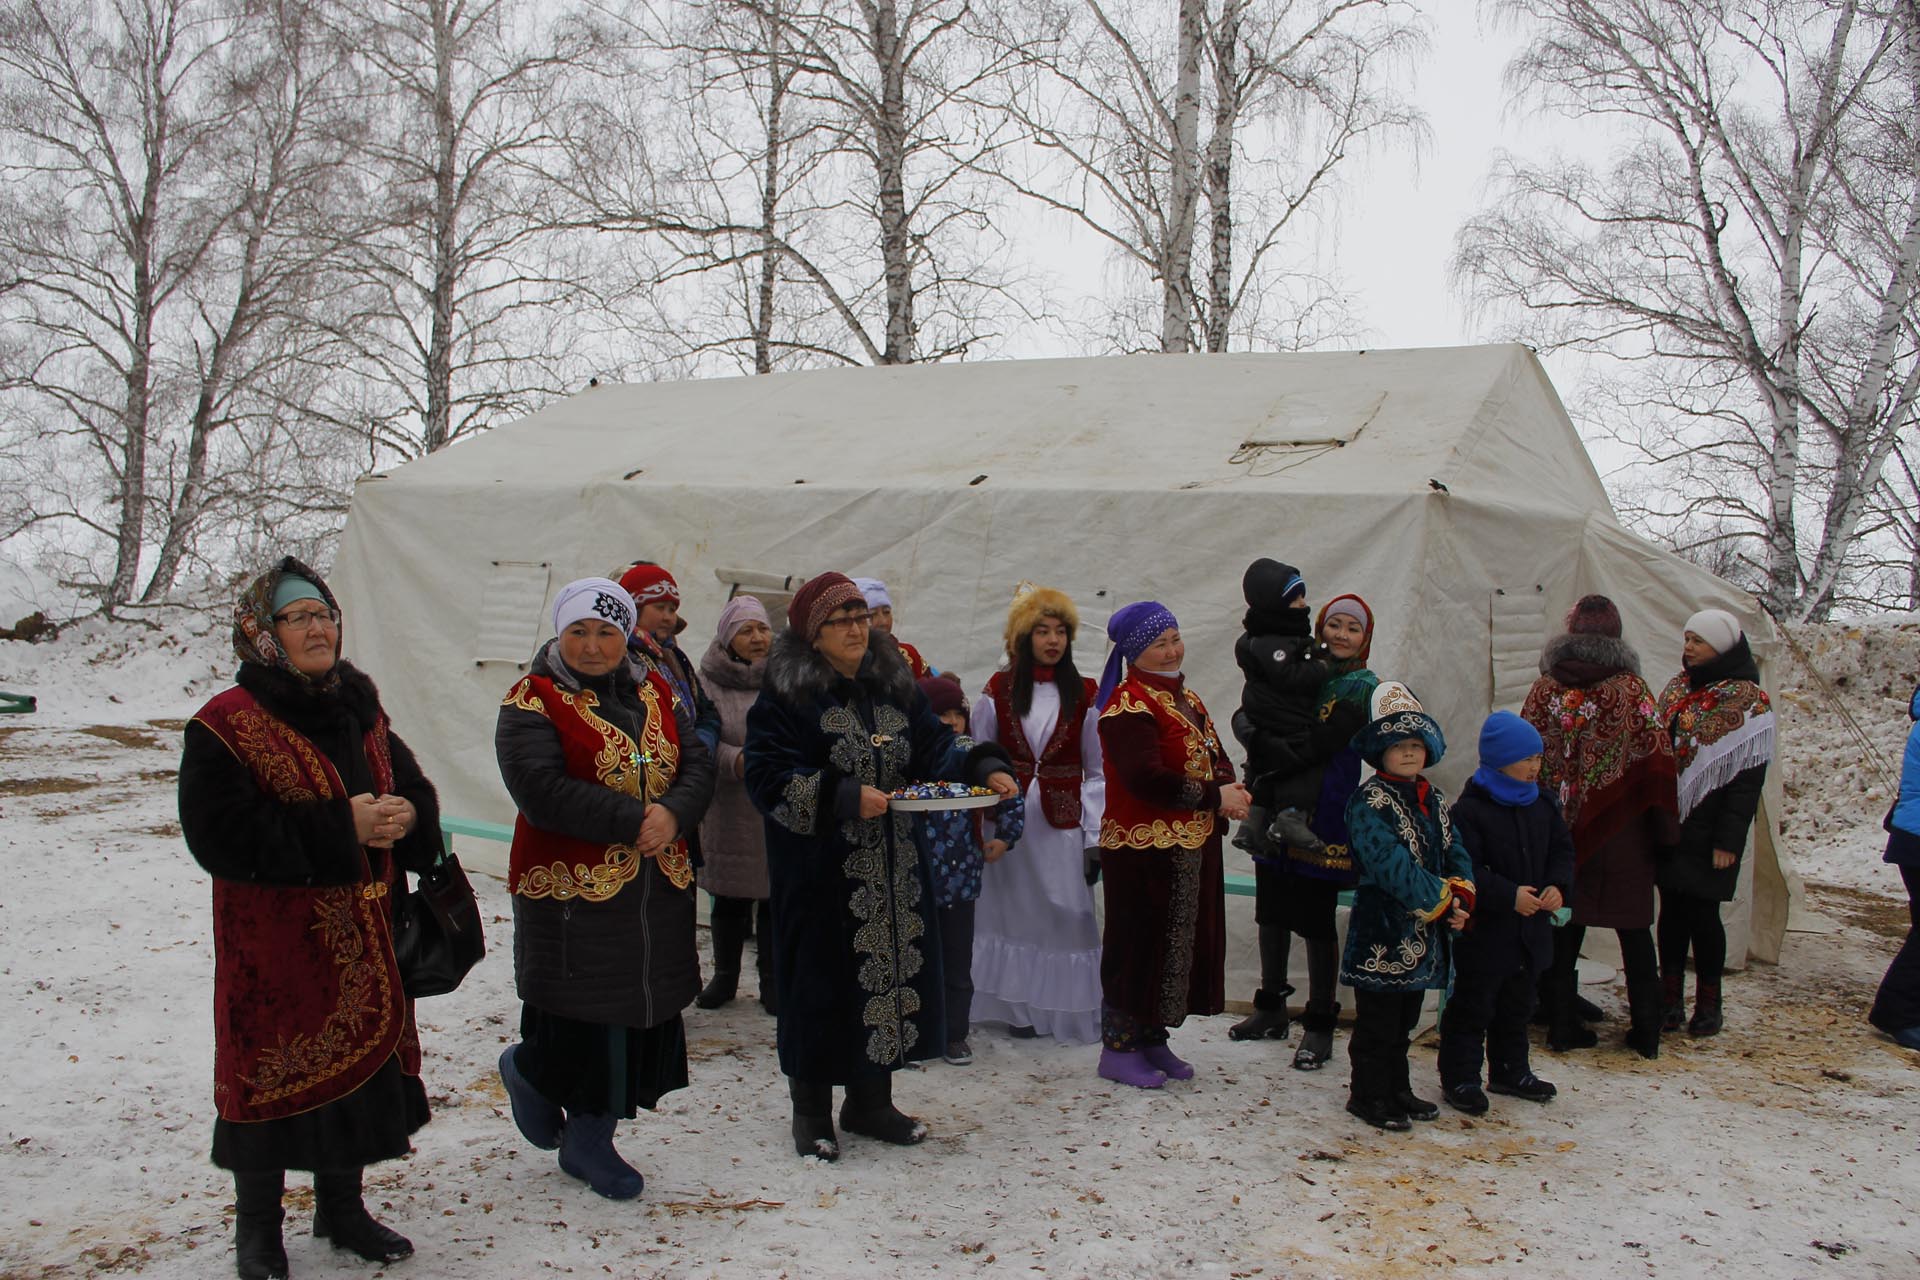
(253, 638)
(875, 592)
(1133, 628)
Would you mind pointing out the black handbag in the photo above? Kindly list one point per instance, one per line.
(437, 936)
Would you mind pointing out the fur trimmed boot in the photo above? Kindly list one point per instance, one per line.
(1322, 1013)
(1269, 1017)
(869, 1112)
(813, 1119)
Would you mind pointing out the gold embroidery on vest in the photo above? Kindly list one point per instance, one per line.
(591, 884)
(301, 1062)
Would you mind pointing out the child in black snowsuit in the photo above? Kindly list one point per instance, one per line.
(1285, 669)
(1523, 871)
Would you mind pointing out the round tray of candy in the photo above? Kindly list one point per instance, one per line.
(941, 795)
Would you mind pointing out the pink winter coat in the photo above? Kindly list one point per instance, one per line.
(732, 837)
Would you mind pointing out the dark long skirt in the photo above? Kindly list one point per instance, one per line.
(371, 1124)
(593, 1068)
(1164, 948)
(1300, 904)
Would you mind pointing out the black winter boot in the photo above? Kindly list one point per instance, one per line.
(813, 1119)
(1646, 1009)
(1318, 1019)
(869, 1112)
(339, 1215)
(1707, 1019)
(763, 956)
(729, 936)
(1673, 990)
(1268, 1019)
(1565, 1030)
(1270, 1001)
(258, 1251)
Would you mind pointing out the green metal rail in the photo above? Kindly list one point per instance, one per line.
(16, 703)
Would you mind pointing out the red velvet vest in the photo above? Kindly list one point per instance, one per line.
(307, 1002)
(547, 864)
(915, 663)
(1129, 821)
(1059, 765)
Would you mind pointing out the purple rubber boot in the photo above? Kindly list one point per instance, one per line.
(1161, 1058)
(1130, 1068)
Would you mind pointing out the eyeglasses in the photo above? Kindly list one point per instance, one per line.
(850, 620)
(302, 619)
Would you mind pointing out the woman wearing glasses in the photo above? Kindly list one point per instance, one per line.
(839, 724)
(305, 806)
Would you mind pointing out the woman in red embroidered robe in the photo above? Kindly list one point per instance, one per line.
(1036, 943)
(305, 806)
(1169, 783)
(610, 780)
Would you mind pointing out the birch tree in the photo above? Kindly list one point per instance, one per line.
(831, 153)
(1199, 149)
(462, 283)
(1749, 257)
(166, 162)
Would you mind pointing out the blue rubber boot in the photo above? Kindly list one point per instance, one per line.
(538, 1120)
(586, 1153)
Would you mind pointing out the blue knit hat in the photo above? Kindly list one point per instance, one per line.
(1505, 738)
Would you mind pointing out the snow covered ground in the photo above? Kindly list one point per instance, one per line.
(1786, 1147)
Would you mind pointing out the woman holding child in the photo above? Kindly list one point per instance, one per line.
(1169, 782)
(838, 725)
(1302, 704)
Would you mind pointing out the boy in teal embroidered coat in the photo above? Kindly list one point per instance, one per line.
(1415, 892)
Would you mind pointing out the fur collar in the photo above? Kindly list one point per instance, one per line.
(721, 667)
(312, 707)
(797, 675)
(1587, 658)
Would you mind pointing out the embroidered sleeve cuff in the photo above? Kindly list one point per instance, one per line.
(799, 807)
(1463, 893)
(1441, 908)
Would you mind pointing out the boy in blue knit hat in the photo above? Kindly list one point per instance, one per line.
(1523, 870)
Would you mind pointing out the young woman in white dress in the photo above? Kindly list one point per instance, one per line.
(1036, 948)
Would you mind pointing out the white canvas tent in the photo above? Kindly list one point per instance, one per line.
(1447, 487)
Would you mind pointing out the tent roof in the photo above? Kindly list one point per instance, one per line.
(1474, 418)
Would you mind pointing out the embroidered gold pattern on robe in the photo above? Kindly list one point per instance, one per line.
(300, 1062)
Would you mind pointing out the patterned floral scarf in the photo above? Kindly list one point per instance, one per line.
(253, 638)
(1605, 755)
(1721, 721)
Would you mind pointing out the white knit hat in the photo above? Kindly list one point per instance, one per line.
(1717, 627)
(601, 598)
